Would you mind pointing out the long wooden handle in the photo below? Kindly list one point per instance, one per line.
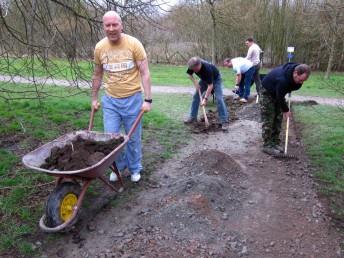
(286, 137)
(132, 129)
(136, 123)
(90, 124)
(287, 129)
(206, 121)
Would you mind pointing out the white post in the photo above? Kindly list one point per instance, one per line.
(4, 5)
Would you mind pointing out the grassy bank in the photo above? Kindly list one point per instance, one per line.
(163, 75)
(323, 134)
(27, 123)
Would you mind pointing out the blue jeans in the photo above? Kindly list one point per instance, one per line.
(124, 111)
(245, 83)
(221, 107)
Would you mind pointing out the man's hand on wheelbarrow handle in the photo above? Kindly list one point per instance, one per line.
(95, 105)
(147, 105)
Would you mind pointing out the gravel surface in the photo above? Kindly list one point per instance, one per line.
(220, 196)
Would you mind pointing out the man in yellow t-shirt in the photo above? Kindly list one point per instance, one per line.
(122, 61)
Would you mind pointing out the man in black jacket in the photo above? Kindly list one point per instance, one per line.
(210, 79)
(276, 84)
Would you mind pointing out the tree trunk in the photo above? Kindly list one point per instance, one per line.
(331, 56)
(335, 31)
(213, 30)
(30, 27)
(341, 63)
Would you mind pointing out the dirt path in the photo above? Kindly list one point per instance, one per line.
(157, 89)
(220, 196)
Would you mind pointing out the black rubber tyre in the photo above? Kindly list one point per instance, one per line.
(53, 205)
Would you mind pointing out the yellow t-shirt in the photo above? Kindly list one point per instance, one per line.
(121, 74)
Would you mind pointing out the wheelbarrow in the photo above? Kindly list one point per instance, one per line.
(64, 202)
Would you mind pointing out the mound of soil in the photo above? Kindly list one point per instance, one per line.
(214, 125)
(214, 181)
(194, 209)
(234, 108)
(81, 153)
(196, 205)
(214, 163)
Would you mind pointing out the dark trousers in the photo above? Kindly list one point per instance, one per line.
(245, 83)
(221, 106)
(256, 78)
(271, 118)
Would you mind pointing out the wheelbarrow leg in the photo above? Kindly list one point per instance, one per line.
(112, 187)
(116, 171)
(105, 181)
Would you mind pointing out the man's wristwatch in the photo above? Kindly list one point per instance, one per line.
(149, 100)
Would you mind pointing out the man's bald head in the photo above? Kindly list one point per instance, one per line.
(112, 14)
(112, 24)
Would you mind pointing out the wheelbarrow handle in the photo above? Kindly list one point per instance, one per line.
(136, 123)
(90, 125)
(132, 129)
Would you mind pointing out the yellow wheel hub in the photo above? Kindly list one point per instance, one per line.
(67, 205)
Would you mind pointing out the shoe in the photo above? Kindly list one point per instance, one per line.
(270, 150)
(113, 177)
(225, 127)
(243, 100)
(190, 120)
(135, 177)
(279, 148)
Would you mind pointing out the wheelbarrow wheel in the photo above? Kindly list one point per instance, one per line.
(60, 204)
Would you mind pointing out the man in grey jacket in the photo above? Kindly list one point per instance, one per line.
(253, 54)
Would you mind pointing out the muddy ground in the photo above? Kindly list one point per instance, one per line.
(235, 110)
(220, 196)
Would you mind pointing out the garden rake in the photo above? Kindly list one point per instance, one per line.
(285, 155)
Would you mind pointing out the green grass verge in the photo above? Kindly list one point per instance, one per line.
(316, 85)
(162, 75)
(54, 68)
(173, 75)
(323, 134)
(27, 123)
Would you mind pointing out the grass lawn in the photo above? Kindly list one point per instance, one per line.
(323, 134)
(27, 123)
(162, 75)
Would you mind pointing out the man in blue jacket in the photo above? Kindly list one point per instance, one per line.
(276, 84)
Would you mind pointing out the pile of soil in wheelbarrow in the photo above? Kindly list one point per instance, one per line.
(81, 153)
(233, 107)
